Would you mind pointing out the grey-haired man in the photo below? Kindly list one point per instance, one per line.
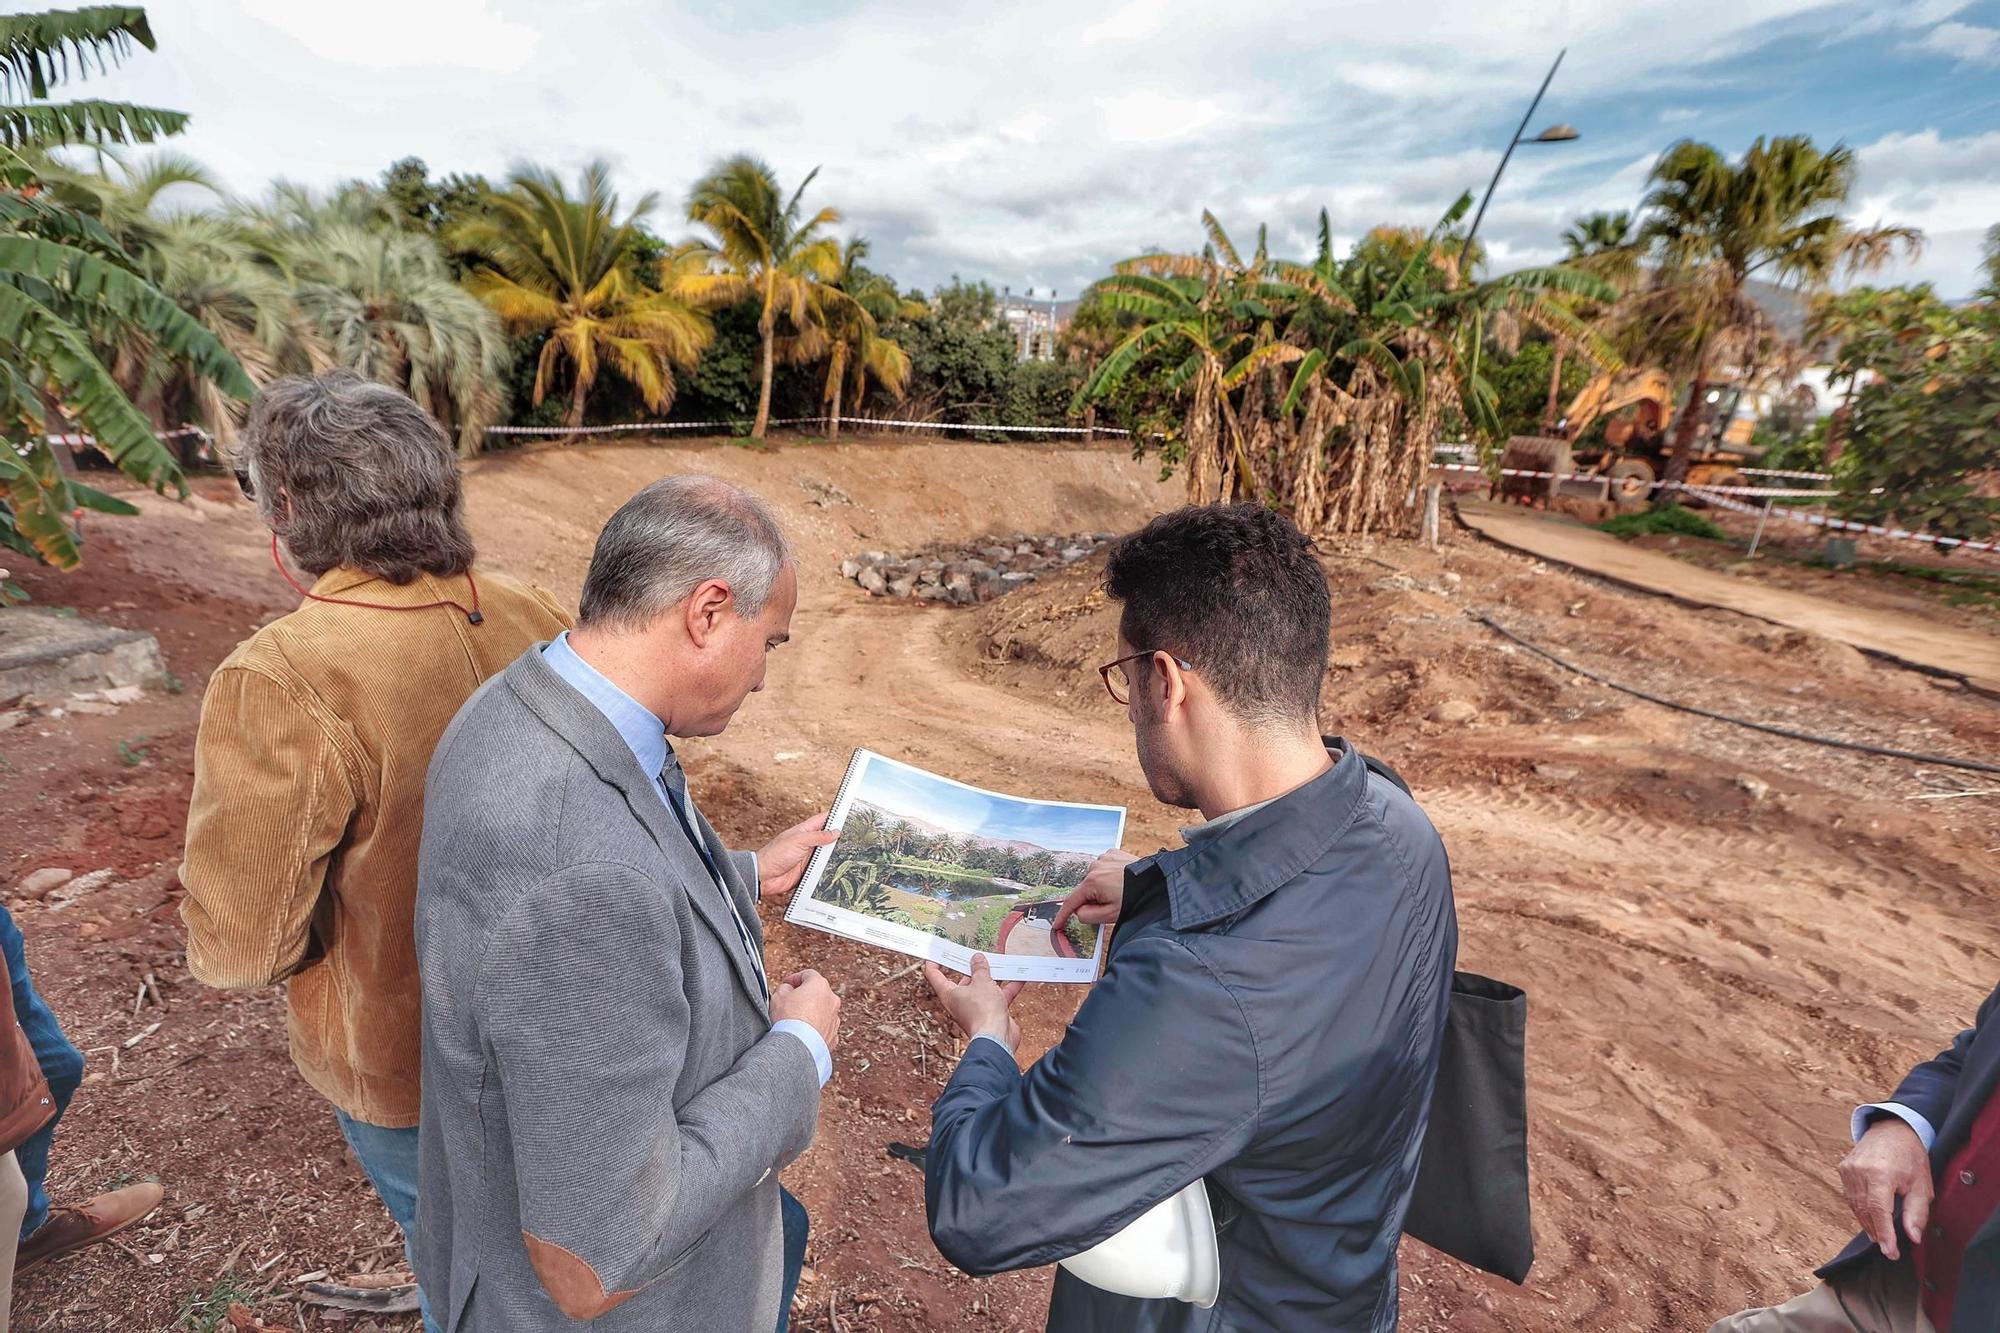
(607, 1097)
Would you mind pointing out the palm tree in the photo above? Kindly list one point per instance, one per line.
(384, 304)
(67, 287)
(1607, 241)
(206, 265)
(570, 268)
(850, 330)
(762, 250)
(1608, 246)
(863, 825)
(1714, 225)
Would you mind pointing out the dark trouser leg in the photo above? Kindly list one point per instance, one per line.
(61, 1062)
(797, 1227)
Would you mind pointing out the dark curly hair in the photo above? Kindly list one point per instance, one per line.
(1238, 591)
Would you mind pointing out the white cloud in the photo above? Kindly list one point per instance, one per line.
(1948, 187)
(466, 34)
(1034, 147)
(1151, 117)
(1133, 20)
(1966, 43)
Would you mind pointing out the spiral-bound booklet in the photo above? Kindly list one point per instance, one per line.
(937, 869)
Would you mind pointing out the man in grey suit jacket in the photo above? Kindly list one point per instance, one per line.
(606, 1097)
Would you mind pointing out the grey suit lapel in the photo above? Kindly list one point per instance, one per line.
(591, 734)
(737, 886)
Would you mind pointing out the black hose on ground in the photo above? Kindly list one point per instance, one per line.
(1972, 765)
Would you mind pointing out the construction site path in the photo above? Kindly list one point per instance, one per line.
(1922, 644)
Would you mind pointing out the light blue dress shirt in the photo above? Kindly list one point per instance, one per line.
(646, 737)
(1916, 1120)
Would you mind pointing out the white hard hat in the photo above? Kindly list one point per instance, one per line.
(1168, 1252)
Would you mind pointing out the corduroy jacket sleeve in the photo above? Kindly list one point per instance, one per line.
(581, 1002)
(272, 800)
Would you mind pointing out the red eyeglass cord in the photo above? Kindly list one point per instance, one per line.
(472, 616)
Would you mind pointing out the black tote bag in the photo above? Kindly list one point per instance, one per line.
(1471, 1196)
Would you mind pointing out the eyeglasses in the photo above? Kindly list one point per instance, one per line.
(1120, 684)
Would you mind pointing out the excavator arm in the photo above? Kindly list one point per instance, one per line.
(1608, 393)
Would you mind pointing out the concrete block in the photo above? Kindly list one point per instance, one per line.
(43, 653)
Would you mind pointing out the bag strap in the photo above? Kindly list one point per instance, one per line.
(1375, 766)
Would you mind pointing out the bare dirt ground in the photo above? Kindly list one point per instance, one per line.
(1911, 640)
(1727, 939)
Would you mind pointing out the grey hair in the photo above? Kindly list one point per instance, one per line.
(353, 473)
(671, 538)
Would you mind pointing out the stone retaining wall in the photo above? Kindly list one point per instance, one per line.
(962, 575)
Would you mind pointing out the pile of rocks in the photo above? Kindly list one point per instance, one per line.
(964, 575)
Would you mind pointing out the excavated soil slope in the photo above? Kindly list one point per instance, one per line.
(1727, 938)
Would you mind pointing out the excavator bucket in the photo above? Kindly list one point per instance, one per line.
(1533, 453)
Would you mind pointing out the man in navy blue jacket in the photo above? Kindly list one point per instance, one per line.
(1275, 993)
(1924, 1182)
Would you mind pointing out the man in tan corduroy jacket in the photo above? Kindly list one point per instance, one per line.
(315, 735)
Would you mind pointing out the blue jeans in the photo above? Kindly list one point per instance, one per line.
(61, 1062)
(797, 1227)
(389, 1156)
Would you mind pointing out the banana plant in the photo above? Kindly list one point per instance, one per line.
(66, 288)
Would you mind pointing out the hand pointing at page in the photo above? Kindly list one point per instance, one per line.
(1099, 898)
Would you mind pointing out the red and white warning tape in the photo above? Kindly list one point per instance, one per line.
(1654, 485)
(791, 421)
(1714, 496)
(76, 440)
(1779, 472)
(1732, 497)
(639, 426)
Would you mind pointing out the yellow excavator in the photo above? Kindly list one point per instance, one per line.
(1634, 449)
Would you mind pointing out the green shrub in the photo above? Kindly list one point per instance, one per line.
(1082, 936)
(1674, 520)
(987, 937)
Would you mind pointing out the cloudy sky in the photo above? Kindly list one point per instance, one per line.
(1033, 143)
(1058, 826)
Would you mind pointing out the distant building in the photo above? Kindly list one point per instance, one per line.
(1035, 322)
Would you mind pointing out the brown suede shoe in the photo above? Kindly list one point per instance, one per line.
(86, 1223)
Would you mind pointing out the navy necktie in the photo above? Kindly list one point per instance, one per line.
(673, 782)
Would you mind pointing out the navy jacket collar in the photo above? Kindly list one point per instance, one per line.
(1222, 875)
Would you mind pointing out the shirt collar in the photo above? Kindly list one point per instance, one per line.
(1226, 869)
(642, 732)
(1196, 832)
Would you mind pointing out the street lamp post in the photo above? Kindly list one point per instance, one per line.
(1553, 134)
